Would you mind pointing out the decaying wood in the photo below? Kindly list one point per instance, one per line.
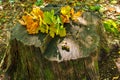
(28, 62)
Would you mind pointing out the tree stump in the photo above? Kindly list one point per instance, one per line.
(39, 57)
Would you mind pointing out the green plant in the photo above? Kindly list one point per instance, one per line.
(118, 19)
(39, 2)
(95, 7)
(111, 26)
(47, 22)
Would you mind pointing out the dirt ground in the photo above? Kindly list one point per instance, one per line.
(109, 64)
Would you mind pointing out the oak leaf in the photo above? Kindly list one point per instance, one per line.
(65, 18)
(65, 10)
(75, 16)
(31, 25)
(36, 13)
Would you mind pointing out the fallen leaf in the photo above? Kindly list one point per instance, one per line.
(65, 10)
(118, 52)
(76, 15)
(62, 31)
(65, 18)
(115, 78)
(31, 25)
(36, 12)
(21, 22)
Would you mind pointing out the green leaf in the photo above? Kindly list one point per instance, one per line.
(1, 31)
(62, 31)
(53, 17)
(118, 17)
(57, 26)
(52, 34)
(53, 30)
(113, 1)
(54, 23)
(43, 28)
(95, 7)
(111, 26)
(58, 23)
(58, 20)
(11, 1)
(49, 17)
(0, 2)
(112, 23)
(39, 2)
(118, 22)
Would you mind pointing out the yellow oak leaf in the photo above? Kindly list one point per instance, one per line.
(36, 12)
(21, 22)
(65, 10)
(72, 11)
(31, 25)
(65, 18)
(33, 28)
(75, 16)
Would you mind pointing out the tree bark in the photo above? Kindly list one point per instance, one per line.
(27, 62)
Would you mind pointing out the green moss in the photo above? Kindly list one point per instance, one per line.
(48, 74)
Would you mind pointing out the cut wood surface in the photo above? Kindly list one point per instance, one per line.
(39, 57)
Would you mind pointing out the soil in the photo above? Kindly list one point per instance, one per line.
(10, 14)
(108, 68)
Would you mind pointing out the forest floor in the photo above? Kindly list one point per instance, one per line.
(109, 64)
